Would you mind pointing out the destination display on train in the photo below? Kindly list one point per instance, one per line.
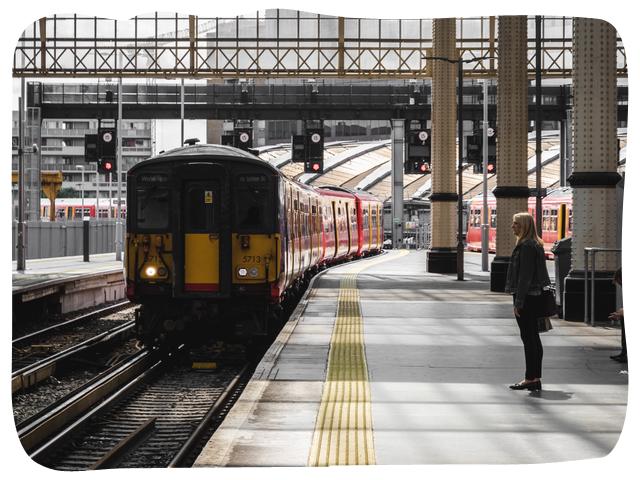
(252, 179)
(153, 178)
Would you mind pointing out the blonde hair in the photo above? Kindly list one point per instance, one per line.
(528, 224)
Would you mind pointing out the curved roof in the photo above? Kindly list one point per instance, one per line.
(367, 166)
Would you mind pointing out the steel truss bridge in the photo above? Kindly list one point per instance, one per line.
(273, 43)
(373, 101)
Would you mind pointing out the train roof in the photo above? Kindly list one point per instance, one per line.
(363, 195)
(335, 192)
(202, 151)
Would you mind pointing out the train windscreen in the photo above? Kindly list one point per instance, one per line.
(152, 202)
(252, 204)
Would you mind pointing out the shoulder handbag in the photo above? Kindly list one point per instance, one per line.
(544, 324)
(547, 305)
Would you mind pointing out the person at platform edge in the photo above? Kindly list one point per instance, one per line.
(619, 315)
(526, 276)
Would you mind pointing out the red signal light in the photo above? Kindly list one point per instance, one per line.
(423, 167)
(108, 165)
(315, 167)
(491, 167)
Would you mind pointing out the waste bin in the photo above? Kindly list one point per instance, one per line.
(562, 260)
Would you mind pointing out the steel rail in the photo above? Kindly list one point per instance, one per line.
(45, 431)
(43, 369)
(206, 421)
(67, 323)
(115, 455)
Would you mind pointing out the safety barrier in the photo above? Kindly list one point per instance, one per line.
(65, 238)
(589, 317)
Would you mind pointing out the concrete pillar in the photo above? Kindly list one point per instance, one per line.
(511, 190)
(397, 186)
(215, 128)
(441, 256)
(594, 174)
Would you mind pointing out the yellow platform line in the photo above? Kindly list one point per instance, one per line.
(343, 433)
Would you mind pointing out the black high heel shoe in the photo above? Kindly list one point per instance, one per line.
(537, 385)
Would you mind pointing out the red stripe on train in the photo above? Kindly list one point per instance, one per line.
(201, 287)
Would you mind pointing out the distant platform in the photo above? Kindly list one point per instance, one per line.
(69, 281)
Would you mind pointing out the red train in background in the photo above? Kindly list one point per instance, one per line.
(557, 219)
(71, 209)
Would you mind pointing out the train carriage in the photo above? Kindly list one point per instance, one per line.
(365, 217)
(219, 242)
(72, 209)
(557, 219)
(342, 215)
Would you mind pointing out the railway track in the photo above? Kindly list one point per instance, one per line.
(34, 369)
(53, 350)
(151, 412)
(31, 337)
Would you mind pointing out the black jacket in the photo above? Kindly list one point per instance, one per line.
(527, 272)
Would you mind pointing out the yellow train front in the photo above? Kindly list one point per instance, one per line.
(204, 245)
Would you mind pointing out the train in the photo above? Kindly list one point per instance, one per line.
(71, 208)
(557, 219)
(220, 244)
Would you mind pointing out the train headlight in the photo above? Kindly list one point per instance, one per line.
(151, 271)
(253, 272)
(242, 272)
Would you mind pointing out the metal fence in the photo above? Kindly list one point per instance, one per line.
(64, 238)
(416, 235)
(590, 271)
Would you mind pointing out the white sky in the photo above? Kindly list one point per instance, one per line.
(168, 133)
(619, 12)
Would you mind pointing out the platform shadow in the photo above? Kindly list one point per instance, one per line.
(551, 394)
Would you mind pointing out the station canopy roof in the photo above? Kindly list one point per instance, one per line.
(367, 166)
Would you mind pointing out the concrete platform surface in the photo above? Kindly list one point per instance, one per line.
(51, 271)
(440, 355)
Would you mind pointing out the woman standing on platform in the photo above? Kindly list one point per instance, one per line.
(526, 276)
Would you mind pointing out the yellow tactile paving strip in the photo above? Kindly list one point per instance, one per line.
(343, 433)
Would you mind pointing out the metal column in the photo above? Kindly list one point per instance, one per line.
(397, 187)
(444, 255)
(538, 125)
(594, 177)
(182, 111)
(512, 189)
(119, 175)
(21, 241)
(485, 167)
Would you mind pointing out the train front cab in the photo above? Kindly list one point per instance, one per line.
(217, 225)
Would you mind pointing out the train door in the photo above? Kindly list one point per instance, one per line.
(369, 230)
(347, 209)
(204, 242)
(291, 248)
(311, 218)
(300, 231)
(317, 228)
(336, 229)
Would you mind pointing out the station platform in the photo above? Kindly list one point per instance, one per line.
(73, 283)
(383, 363)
